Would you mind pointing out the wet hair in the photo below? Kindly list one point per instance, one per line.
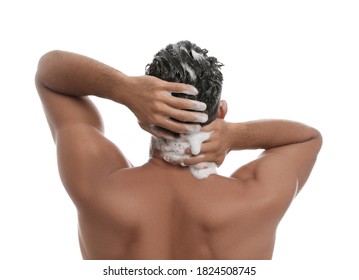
(185, 62)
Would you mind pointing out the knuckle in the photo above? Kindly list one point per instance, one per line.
(186, 117)
(177, 128)
(179, 115)
(156, 120)
(157, 106)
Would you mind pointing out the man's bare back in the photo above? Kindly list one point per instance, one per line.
(159, 210)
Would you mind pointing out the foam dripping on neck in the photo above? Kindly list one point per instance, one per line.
(174, 151)
(204, 170)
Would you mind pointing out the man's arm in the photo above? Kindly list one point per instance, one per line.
(85, 156)
(289, 146)
(147, 97)
(291, 149)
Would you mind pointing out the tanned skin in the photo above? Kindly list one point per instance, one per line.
(159, 210)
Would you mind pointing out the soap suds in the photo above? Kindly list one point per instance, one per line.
(196, 55)
(196, 139)
(207, 168)
(190, 71)
(174, 151)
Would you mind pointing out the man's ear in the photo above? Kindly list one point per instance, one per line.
(223, 109)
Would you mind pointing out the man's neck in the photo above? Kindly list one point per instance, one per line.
(176, 151)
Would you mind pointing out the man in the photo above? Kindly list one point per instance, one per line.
(160, 210)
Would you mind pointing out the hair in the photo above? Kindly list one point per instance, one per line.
(185, 62)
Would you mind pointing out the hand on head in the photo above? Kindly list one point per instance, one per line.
(214, 148)
(160, 113)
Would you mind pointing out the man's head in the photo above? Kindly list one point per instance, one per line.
(184, 62)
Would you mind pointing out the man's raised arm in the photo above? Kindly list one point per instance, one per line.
(147, 97)
(287, 145)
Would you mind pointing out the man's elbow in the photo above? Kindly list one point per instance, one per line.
(44, 65)
(318, 138)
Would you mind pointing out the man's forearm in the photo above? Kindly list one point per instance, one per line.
(149, 98)
(266, 134)
(77, 75)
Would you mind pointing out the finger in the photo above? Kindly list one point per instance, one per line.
(197, 140)
(179, 127)
(173, 158)
(186, 116)
(202, 158)
(181, 88)
(207, 147)
(161, 133)
(195, 160)
(186, 104)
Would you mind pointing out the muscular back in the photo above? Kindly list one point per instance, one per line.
(159, 211)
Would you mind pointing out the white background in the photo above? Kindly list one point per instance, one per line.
(295, 60)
